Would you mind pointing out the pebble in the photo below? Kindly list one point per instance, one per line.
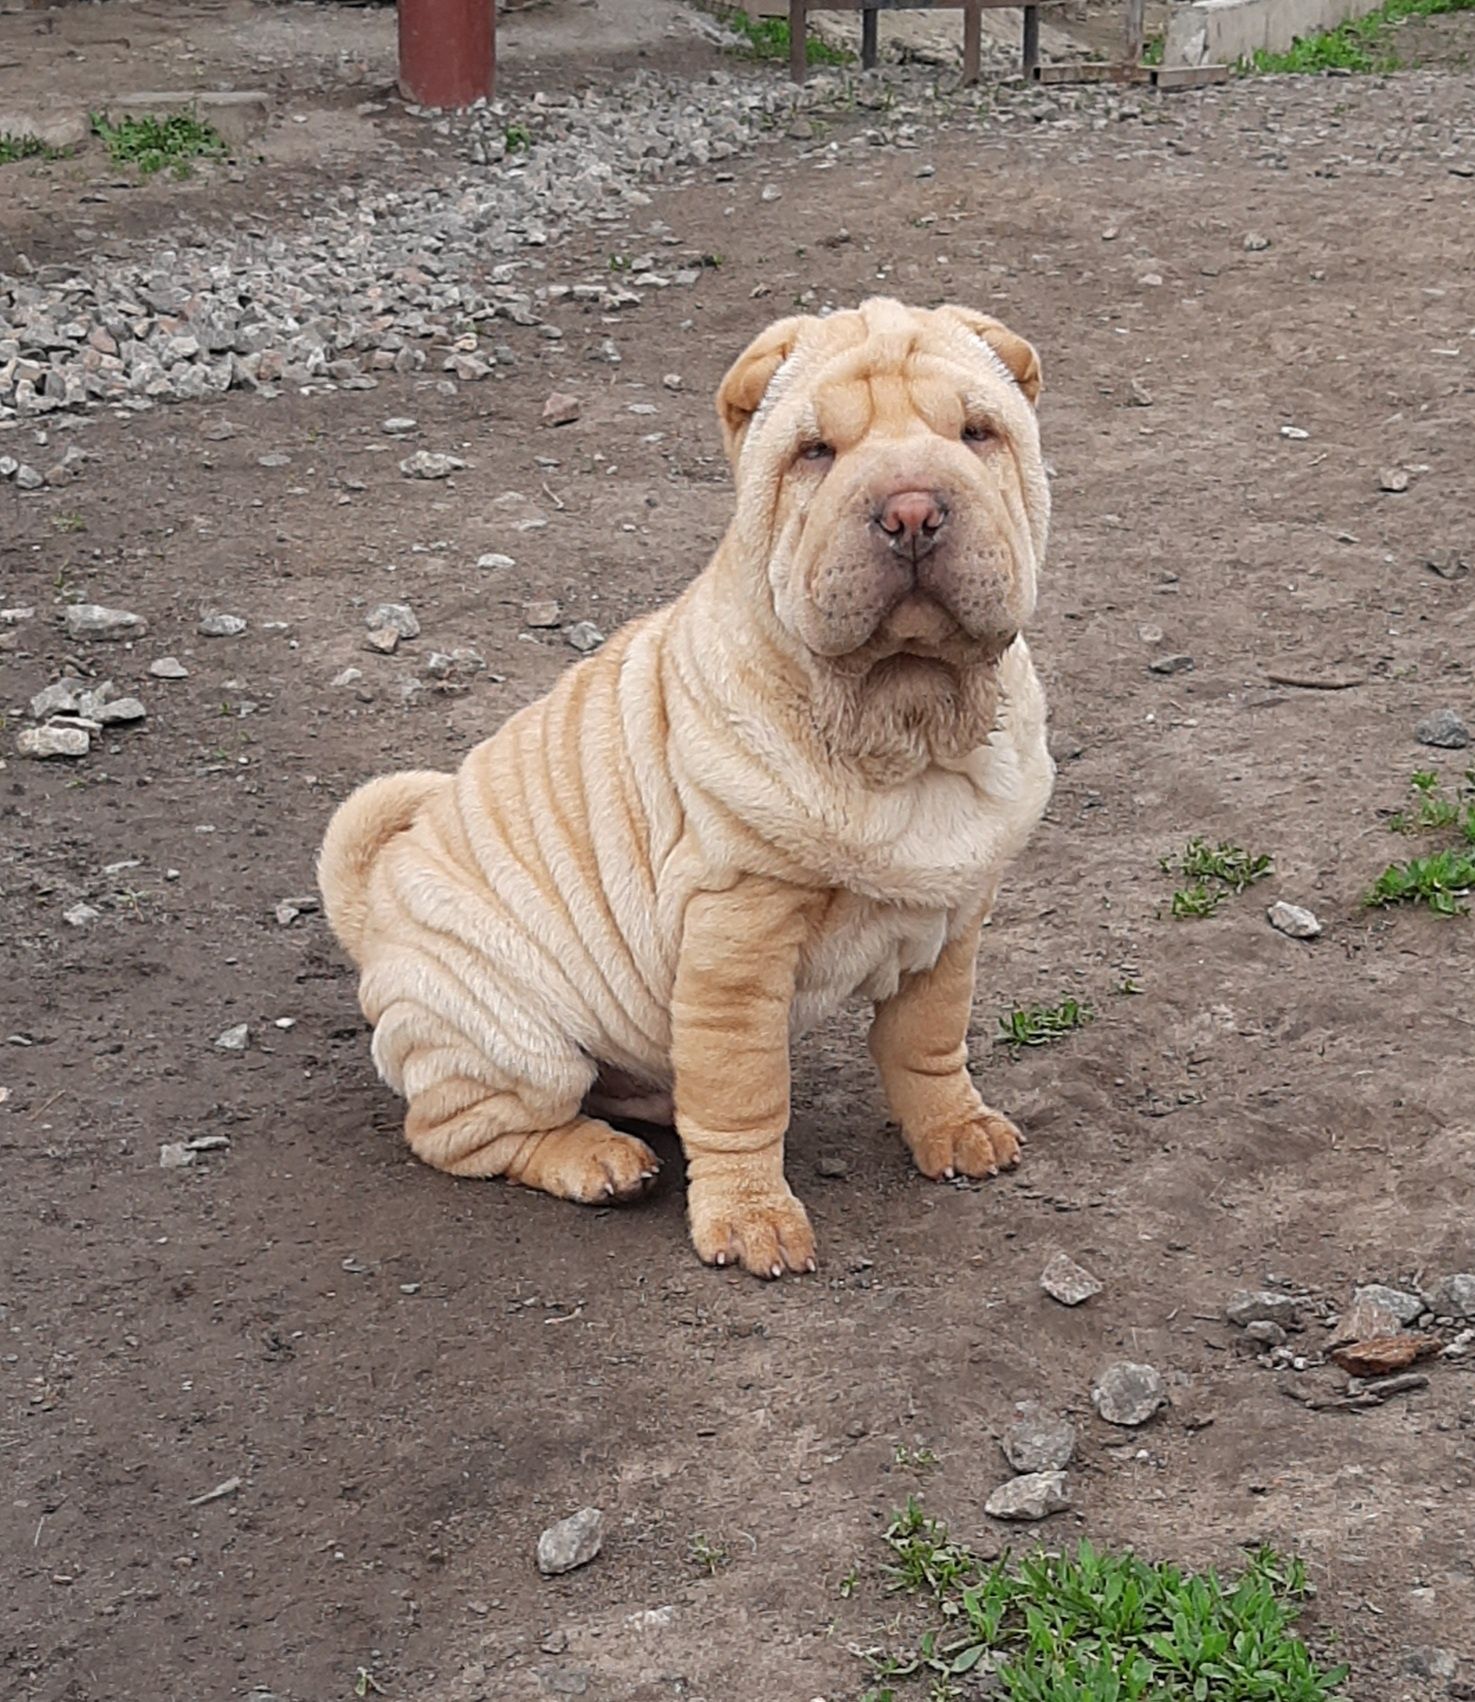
(495, 563)
(79, 915)
(572, 1542)
(235, 1039)
(1128, 1394)
(426, 464)
(671, 380)
(1393, 479)
(399, 618)
(383, 639)
(1027, 1499)
(447, 665)
(121, 710)
(1293, 919)
(175, 1155)
(1430, 1662)
(45, 742)
(1454, 1297)
(1038, 1441)
(1179, 664)
(1066, 1281)
(542, 614)
(1251, 1308)
(169, 668)
(94, 620)
(1444, 730)
(1265, 1332)
(561, 409)
(831, 1166)
(398, 425)
(214, 624)
(1138, 395)
(1255, 243)
(348, 677)
(583, 636)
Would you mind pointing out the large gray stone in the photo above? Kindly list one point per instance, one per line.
(1023, 1500)
(1454, 1296)
(1039, 1441)
(97, 621)
(1128, 1394)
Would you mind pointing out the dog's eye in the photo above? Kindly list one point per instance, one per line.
(976, 433)
(817, 452)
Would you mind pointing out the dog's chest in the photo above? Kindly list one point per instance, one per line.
(864, 947)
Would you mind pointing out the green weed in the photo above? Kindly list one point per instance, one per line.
(1198, 900)
(1443, 878)
(1360, 45)
(16, 148)
(707, 1554)
(1214, 871)
(1088, 1626)
(915, 1459)
(153, 143)
(768, 38)
(517, 138)
(1152, 49)
(1038, 1025)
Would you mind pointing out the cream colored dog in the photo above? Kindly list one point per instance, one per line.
(799, 782)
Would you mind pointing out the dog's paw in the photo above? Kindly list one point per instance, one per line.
(767, 1234)
(591, 1164)
(981, 1145)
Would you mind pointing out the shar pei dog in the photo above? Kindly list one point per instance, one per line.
(798, 783)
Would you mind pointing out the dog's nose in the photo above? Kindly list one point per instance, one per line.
(911, 520)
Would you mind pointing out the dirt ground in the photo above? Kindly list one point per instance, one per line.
(411, 1376)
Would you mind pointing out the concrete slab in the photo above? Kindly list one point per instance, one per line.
(240, 115)
(1221, 32)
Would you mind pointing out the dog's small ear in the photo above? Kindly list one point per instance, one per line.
(748, 378)
(1019, 356)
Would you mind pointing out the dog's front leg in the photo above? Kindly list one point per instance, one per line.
(730, 1054)
(920, 1043)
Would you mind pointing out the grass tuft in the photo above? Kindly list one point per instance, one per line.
(1089, 1626)
(1359, 45)
(13, 149)
(1445, 877)
(1038, 1025)
(768, 38)
(1214, 872)
(153, 143)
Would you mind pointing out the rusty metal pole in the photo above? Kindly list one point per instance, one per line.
(447, 51)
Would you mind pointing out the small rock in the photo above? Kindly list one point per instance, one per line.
(120, 710)
(1293, 919)
(93, 620)
(1038, 1441)
(1395, 1303)
(495, 563)
(1444, 730)
(1255, 243)
(672, 380)
(209, 1143)
(572, 1542)
(169, 668)
(1025, 1499)
(454, 664)
(1296, 433)
(58, 699)
(770, 192)
(350, 676)
(398, 425)
(1383, 1355)
(1066, 1281)
(398, 617)
(1171, 664)
(1267, 1333)
(542, 614)
(561, 409)
(426, 464)
(214, 624)
(15, 616)
(831, 1166)
(1251, 1308)
(1138, 395)
(583, 636)
(1430, 1663)
(45, 742)
(79, 915)
(175, 1155)
(1454, 1297)
(1128, 1394)
(383, 639)
(235, 1039)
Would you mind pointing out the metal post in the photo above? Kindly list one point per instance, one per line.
(972, 40)
(798, 59)
(868, 39)
(1031, 40)
(447, 51)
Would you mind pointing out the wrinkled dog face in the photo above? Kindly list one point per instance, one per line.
(888, 471)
